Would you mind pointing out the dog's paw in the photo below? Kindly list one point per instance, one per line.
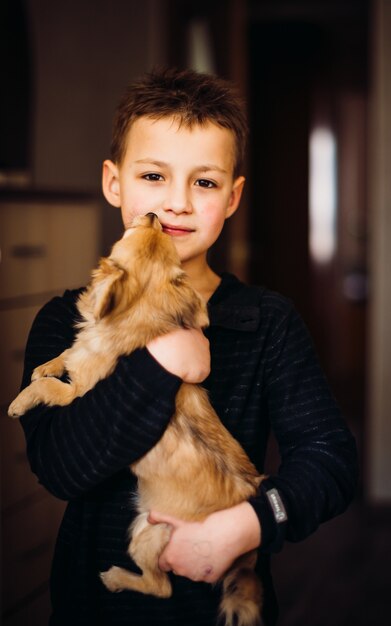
(111, 579)
(42, 371)
(16, 408)
(22, 403)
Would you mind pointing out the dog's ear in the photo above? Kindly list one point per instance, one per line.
(194, 314)
(192, 310)
(105, 281)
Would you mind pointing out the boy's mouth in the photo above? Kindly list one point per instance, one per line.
(176, 231)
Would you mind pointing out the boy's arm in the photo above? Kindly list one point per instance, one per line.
(318, 472)
(317, 476)
(74, 448)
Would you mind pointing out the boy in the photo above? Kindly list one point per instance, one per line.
(177, 151)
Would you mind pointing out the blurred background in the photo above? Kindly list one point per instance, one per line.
(313, 224)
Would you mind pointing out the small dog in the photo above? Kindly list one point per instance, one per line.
(138, 293)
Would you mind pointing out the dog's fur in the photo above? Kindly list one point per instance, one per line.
(137, 293)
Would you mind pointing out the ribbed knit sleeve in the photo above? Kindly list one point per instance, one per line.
(72, 449)
(318, 472)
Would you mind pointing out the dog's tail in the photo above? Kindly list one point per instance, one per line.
(241, 601)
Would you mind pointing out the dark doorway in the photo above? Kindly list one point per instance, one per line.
(308, 70)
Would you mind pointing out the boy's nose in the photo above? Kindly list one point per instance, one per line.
(178, 200)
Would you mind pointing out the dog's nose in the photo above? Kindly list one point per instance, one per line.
(147, 220)
(153, 219)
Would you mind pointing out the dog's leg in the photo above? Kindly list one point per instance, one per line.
(55, 367)
(241, 600)
(148, 542)
(50, 391)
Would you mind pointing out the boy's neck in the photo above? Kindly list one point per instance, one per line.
(203, 279)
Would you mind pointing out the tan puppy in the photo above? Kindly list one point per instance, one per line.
(137, 293)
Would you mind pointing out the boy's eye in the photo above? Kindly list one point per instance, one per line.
(207, 184)
(153, 177)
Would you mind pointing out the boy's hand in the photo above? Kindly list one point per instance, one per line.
(183, 352)
(203, 551)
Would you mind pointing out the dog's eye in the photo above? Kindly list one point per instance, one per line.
(153, 177)
(177, 280)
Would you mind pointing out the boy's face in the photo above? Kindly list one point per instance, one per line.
(182, 174)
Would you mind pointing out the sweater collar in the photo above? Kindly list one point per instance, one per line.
(233, 305)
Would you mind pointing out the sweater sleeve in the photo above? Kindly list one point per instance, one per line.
(318, 471)
(72, 449)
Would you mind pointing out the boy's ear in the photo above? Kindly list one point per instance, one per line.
(236, 194)
(110, 183)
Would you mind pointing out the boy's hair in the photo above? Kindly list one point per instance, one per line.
(190, 96)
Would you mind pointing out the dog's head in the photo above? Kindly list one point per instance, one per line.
(143, 271)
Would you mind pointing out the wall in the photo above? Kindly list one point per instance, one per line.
(84, 53)
(378, 476)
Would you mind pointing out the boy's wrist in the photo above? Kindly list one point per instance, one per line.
(141, 365)
(240, 528)
(272, 519)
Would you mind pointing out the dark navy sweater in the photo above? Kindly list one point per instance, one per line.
(264, 375)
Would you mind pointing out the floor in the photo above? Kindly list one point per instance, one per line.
(340, 576)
